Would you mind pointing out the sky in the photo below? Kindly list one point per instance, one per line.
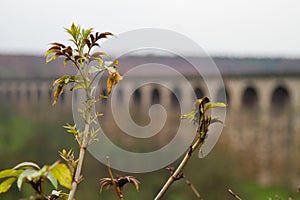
(262, 28)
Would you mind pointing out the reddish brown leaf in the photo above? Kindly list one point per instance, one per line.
(87, 41)
(104, 35)
(92, 38)
(55, 48)
(58, 44)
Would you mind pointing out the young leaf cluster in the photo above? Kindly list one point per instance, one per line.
(200, 116)
(80, 54)
(69, 158)
(35, 176)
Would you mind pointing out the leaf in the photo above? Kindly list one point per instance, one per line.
(68, 50)
(66, 60)
(211, 105)
(190, 115)
(197, 111)
(10, 173)
(87, 42)
(128, 179)
(95, 68)
(71, 129)
(52, 180)
(61, 83)
(25, 175)
(54, 49)
(104, 35)
(216, 120)
(108, 64)
(77, 57)
(58, 44)
(74, 31)
(59, 90)
(6, 185)
(86, 33)
(116, 62)
(106, 183)
(112, 80)
(50, 57)
(26, 165)
(99, 54)
(76, 87)
(99, 114)
(63, 175)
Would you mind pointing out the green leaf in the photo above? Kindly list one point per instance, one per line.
(190, 115)
(74, 31)
(61, 83)
(95, 68)
(52, 180)
(50, 57)
(71, 129)
(26, 175)
(77, 86)
(63, 175)
(109, 64)
(10, 173)
(216, 120)
(26, 165)
(5, 185)
(99, 54)
(86, 33)
(39, 174)
(211, 105)
(66, 60)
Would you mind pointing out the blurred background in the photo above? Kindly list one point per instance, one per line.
(255, 45)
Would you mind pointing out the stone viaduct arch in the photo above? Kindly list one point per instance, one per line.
(272, 124)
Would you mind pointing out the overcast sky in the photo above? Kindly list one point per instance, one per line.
(221, 27)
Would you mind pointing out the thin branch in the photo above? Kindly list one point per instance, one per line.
(234, 195)
(203, 123)
(179, 169)
(193, 189)
(94, 78)
(117, 188)
(83, 147)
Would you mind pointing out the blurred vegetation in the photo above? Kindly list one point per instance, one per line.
(32, 132)
(252, 190)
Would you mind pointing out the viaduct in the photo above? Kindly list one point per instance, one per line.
(262, 119)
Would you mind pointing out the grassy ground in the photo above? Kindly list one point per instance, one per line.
(252, 190)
